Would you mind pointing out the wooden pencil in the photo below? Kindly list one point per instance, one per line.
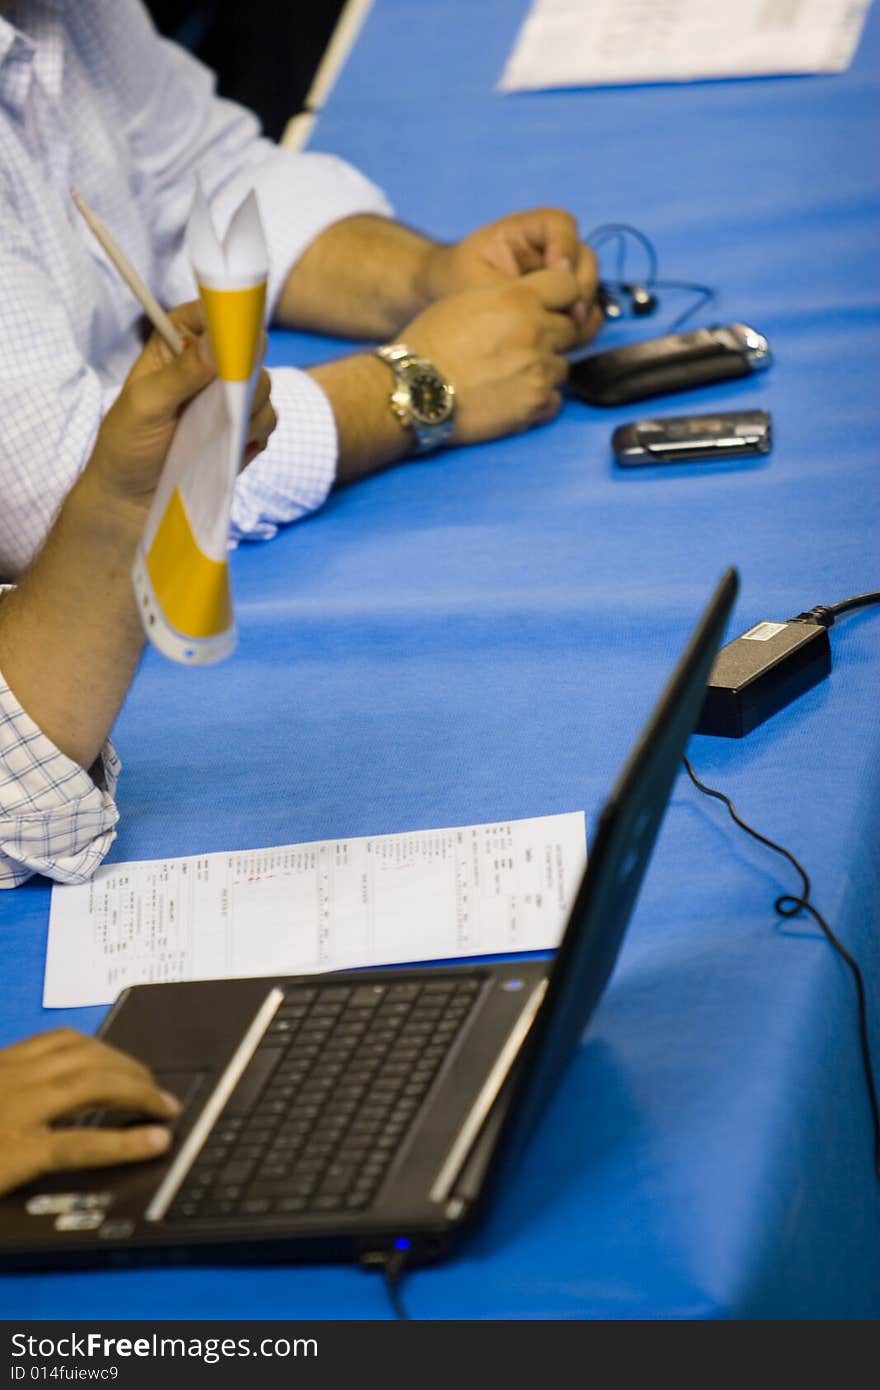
(145, 297)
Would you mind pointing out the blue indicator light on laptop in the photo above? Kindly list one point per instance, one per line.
(512, 984)
(402, 1243)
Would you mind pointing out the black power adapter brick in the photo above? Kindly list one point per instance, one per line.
(763, 670)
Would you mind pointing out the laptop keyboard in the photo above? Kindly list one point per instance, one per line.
(327, 1099)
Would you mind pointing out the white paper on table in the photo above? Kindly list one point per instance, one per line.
(585, 43)
(300, 909)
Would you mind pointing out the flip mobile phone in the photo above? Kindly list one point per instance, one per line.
(677, 362)
(685, 437)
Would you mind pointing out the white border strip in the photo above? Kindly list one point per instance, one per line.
(342, 41)
(487, 1097)
(167, 1189)
(188, 651)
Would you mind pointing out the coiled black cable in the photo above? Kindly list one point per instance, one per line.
(789, 905)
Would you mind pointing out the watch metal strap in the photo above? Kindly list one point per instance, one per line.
(427, 437)
(395, 354)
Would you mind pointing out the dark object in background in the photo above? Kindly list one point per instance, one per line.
(762, 671)
(265, 53)
(676, 362)
(677, 438)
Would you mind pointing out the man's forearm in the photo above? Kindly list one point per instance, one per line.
(369, 437)
(364, 277)
(70, 634)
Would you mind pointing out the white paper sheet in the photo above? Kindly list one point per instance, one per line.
(580, 43)
(424, 895)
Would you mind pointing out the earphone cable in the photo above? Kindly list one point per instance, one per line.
(618, 232)
(706, 293)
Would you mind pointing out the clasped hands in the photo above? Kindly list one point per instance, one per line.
(508, 302)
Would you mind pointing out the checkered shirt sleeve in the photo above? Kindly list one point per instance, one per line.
(54, 818)
(294, 474)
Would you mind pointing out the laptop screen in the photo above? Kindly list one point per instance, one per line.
(619, 857)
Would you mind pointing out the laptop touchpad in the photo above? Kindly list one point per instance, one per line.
(185, 1085)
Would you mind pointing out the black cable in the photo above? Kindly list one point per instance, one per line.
(825, 614)
(789, 905)
(393, 1270)
(857, 601)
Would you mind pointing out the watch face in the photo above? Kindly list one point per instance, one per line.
(429, 397)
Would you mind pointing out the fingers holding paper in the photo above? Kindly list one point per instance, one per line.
(262, 419)
(189, 320)
(137, 431)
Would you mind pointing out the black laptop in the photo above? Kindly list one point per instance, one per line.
(348, 1115)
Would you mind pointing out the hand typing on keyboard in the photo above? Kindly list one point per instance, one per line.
(50, 1076)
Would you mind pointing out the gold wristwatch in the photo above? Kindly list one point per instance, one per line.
(422, 399)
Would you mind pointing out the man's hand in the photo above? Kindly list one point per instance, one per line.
(59, 1074)
(502, 348)
(136, 433)
(514, 246)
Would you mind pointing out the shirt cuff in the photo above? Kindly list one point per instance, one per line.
(54, 819)
(293, 476)
(299, 196)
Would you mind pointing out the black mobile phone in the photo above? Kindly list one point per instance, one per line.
(684, 437)
(677, 362)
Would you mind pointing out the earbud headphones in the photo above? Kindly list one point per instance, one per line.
(639, 293)
(641, 300)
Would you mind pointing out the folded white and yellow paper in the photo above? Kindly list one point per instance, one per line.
(181, 572)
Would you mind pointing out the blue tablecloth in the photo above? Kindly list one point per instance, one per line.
(480, 635)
